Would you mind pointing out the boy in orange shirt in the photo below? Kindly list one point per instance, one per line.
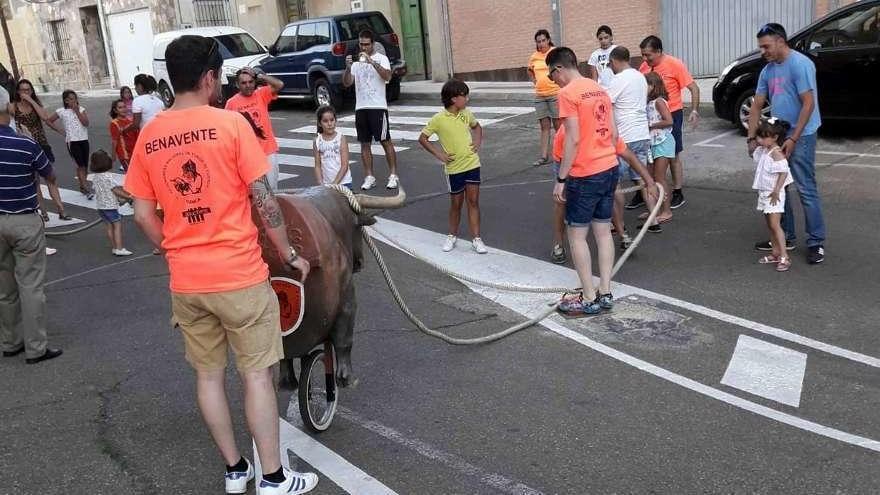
(587, 178)
(206, 169)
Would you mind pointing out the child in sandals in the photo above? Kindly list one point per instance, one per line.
(771, 178)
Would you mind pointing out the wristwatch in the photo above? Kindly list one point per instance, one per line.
(292, 257)
(561, 180)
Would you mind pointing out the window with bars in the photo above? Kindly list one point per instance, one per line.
(59, 40)
(212, 12)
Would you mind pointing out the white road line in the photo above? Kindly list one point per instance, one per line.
(353, 147)
(299, 161)
(329, 463)
(283, 176)
(76, 198)
(707, 141)
(396, 135)
(434, 109)
(766, 370)
(98, 268)
(278, 118)
(493, 480)
(502, 265)
(845, 153)
(418, 120)
(54, 221)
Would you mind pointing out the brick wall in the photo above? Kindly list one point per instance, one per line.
(825, 6)
(495, 34)
(630, 20)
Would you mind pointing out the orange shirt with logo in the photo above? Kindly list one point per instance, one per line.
(675, 77)
(585, 99)
(198, 164)
(559, 145)
(544, 86)
(255, 109)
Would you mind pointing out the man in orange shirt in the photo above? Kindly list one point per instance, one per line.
(676, 77)
(201, 164)
(588, 177)
(253, 104)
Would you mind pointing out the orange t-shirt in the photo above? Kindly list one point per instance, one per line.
(255, 109)
(585, 99)
(544, 86)
(559, 144)
(125, 141)
(198, 165)
(675, 77)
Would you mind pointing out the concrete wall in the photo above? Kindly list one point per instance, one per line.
(263, 19)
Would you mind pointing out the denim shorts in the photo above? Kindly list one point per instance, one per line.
(642, 150)
(591, 198)
(110, 216)
(677, 124)
(457, 182)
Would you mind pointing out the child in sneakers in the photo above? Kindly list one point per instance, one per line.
(771, 178)
(107, 190)
(331, 151)
(460, 139)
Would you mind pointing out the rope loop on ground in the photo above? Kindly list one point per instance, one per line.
(551, 306)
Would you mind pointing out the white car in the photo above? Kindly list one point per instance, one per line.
(237, 46)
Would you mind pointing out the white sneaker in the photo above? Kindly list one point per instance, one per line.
(294, 484)
(479, 247)
(237, 481)
(122, 252)
(449, 243)
(50, 251)
(369, 182)
(392, 182)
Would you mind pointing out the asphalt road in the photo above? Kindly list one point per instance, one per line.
(713, 374)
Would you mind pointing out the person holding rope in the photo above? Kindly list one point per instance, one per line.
(206, 168)
(588, 177)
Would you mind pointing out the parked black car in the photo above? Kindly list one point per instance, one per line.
(309, 56)
(844, 45)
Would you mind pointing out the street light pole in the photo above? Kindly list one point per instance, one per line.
(9, 48)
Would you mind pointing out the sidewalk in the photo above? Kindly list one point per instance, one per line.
(519, 90)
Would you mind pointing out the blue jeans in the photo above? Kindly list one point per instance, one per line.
(802, 164)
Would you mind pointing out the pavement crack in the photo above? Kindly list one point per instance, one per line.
(142, 482)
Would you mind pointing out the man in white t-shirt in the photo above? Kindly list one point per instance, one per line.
(369, 74)
(147, 104)
(628, 90)
(598, 63)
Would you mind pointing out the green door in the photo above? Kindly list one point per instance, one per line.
(413, 37)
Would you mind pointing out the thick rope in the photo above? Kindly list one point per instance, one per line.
(77, 230)
(355, 205)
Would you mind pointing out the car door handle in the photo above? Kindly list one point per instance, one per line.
(869, 59)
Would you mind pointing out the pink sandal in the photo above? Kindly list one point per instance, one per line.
(769, 259)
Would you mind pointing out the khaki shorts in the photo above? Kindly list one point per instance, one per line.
(248, 320)
(546, 107)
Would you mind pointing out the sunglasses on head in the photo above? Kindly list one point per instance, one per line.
(769, 29)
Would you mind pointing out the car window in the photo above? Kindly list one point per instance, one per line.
(322, 33)
(305, 38)
(860, 27)
(287, 41)
(238, 45)
(349, 27)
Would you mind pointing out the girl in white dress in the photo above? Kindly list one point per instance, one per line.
(331, 151)
(771, 178)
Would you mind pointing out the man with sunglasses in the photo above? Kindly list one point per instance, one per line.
(253, 104)
(220, 292)
(369, 74)
(788, 81)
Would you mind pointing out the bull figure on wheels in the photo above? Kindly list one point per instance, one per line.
(323, 228)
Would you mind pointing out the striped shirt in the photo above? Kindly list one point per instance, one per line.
(20, 160)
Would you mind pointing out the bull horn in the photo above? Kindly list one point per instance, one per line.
(382, 202)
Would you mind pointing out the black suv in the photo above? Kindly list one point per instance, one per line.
(309, 56)
(844, 45)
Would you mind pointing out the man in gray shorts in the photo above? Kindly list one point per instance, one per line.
(629, 94)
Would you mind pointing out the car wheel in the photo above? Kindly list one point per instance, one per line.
(166, 94)
(743, 110)
(323, 94)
